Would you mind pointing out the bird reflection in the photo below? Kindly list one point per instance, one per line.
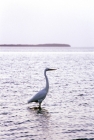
(38, 110)
(41, 119)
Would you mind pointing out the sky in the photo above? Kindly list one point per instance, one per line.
(47, 21)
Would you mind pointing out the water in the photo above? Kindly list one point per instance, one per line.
(68, 110)
(46, 49)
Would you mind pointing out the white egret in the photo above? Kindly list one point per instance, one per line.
(40, 96)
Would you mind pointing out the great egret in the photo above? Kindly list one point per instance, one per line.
(40, 96)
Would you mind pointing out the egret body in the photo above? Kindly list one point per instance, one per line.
(40, 96)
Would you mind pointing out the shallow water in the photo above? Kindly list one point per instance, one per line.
(68, 110)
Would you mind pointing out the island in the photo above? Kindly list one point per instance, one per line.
(36, 45)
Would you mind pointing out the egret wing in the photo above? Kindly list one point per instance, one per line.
(39, 96)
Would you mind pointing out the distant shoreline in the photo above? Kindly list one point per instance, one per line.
(36, 45)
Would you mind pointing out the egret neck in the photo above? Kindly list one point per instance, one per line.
(47, 82)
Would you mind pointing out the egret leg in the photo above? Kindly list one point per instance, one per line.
(39, 105)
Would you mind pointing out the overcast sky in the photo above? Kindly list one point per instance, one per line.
(47, 21)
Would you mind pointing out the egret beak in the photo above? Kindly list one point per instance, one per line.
(51, 69)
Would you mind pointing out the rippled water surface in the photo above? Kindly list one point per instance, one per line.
(68, 110)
